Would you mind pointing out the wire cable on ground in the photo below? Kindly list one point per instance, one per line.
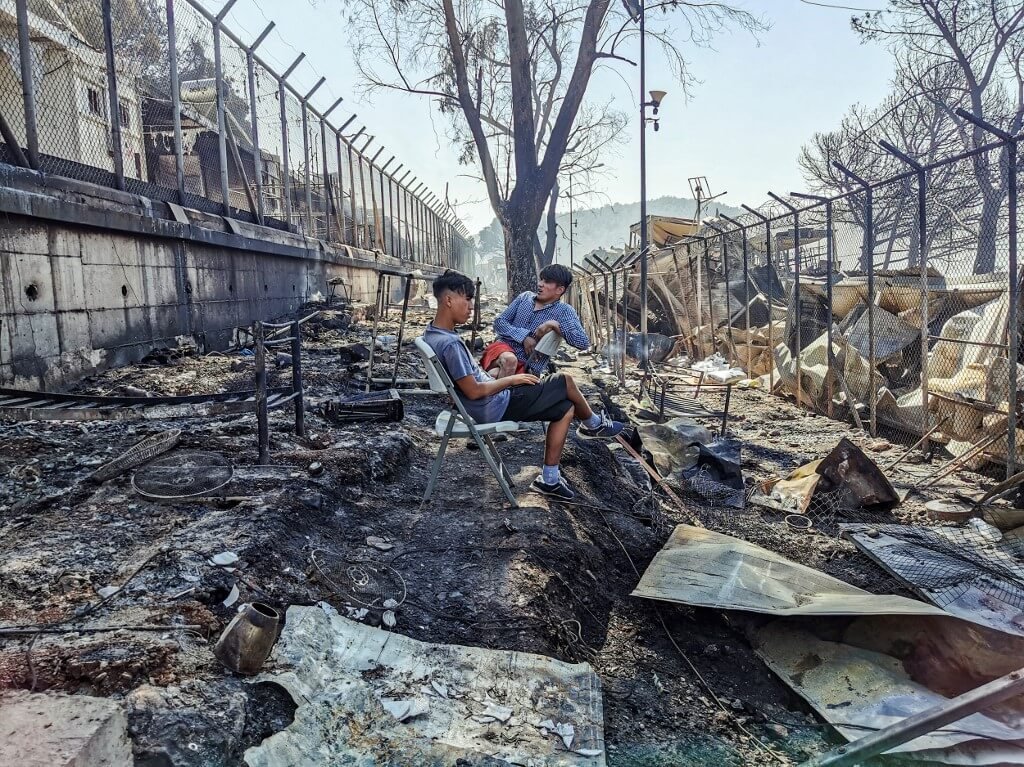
(758, 743)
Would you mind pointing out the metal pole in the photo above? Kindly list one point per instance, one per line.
(607, 310)
(401, 328)
(644, 243)
(262, 426)
(373, 338)
(115, 102)
(257, 155)
(341, 180)
(172, 57)
(746, 281)
(728, 308)
(711, 305)
(922, 190)
(1013, 315)
(385, 208)
(28, 83)
(297, 390)
(285, 169)
(352, 189)
(771, 272)
(394, 202)
(797, 303)
(869, 255)
(829, 354)
(325, 173)
(307, 159)
(923, 722)
(222, 132)
(306, 180)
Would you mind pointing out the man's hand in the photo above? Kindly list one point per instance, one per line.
(529, 344)
(547, 327)
(522, 379)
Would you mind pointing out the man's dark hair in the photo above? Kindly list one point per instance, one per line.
(456, 282)
(557, 274)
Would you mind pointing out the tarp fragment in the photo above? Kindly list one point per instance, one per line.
(369, 697)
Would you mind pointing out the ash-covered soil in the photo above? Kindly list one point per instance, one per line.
(681, 686)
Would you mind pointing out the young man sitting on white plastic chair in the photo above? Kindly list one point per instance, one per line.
(518, 397)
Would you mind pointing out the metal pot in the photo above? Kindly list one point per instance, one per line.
(248, 639)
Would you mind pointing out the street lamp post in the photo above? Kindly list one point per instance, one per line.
(637, 13)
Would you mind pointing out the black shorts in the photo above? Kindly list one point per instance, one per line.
(544, 401)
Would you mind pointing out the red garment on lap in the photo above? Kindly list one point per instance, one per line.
(495, 350)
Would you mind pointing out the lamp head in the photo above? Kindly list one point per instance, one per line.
(656, 98)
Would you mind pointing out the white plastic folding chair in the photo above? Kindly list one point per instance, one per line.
(457, 423)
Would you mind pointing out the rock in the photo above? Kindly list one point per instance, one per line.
(777, 730)
(379, 543)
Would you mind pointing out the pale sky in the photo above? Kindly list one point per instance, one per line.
(756, 104)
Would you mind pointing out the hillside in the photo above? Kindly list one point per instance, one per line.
(603, 227)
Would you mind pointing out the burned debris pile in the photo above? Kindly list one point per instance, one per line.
(229, 576)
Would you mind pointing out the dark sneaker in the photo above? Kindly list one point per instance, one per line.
(607, 429)
(560, 491)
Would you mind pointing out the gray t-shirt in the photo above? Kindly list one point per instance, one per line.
(455, 357)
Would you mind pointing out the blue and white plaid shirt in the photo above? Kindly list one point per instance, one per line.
(521, 319)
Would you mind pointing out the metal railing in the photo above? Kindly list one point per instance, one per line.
(171, 104)
(895, 304)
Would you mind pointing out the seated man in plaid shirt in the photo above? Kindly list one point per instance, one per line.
(529, 318)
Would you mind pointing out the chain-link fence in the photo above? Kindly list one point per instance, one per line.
(164, 100)
(894, 304)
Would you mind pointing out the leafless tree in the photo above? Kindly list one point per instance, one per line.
(983, 42)
(915, 117)
(513, 78)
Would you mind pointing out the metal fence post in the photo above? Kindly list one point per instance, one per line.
(282, 96)
(28, 84)
(607, 310)
(262, 425)
(725, 269)
(172, 60)
(746, 283)
(328, 195)
(1013, 314)
(869, 262)
(403, 217)
(385, 208)
(222, 135)
(352, 186)
(829, 353)
(257, 156)
(711, 304)
(297, 389)
(392, 219)
(922, 191)
(771, 273)
(115, 102)
(797, 303)
(307, 159)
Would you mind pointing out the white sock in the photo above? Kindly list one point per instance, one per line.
(550, 475)
(593, 422)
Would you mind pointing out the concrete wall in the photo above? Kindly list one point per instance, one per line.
(82, 288)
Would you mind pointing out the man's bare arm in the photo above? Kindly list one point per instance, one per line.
(475, 390)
